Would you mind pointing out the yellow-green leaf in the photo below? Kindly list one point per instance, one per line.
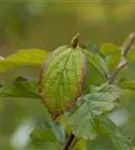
(24, 57)
(108, 49)
(131, 55)
(62, 78)
(111, 53)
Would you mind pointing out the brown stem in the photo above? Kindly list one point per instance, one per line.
(126, 46)
(68, 145)
(123, 61)
(42, 99)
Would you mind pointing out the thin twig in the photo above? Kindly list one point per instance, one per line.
(126, 47)
(123, 61)
(69, 142)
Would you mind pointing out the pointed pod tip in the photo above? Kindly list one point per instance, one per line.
(75, 40)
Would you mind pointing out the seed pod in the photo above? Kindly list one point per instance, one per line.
(62, 78)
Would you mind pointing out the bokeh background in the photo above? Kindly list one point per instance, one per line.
(46, 25)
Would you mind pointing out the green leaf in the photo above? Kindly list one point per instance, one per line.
(28, 57)
(47, 145)
(49, 131)
(59, 133)
(83, 123)
(62, 79)
(111, 53)
(131, 55)
(80, 144)
(41, 135)
(21, 87)
(43, 138)
(120, 141)
(100, 144)
(83, 120)
(93, 77)
(127, 84)
(112, 61)
(109, 49)
(97, 61)
(92, 48)
(103, 99)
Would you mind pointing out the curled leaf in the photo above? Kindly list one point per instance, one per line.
(62, 78)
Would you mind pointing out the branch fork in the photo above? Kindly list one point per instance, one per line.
(123, 61)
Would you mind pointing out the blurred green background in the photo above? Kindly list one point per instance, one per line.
(47, 25)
